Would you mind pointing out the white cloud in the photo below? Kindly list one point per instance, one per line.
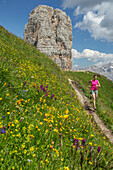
(92, 55)
(84, 4)
(75, 66)
(97, 17)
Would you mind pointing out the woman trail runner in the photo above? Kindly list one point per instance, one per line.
(94, 90)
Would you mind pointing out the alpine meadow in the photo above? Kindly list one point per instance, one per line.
(42, 123)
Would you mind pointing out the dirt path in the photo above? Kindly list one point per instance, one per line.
(90, 111)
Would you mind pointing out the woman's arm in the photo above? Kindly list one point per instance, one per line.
(89, 83)
(98, 85)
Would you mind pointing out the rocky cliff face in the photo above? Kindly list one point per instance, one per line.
(50, 30)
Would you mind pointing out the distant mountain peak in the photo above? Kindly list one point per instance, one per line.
(105, 69)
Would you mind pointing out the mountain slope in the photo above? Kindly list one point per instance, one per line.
(42, 123)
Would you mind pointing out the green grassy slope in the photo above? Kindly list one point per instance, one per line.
(42, 124)
(105, 99)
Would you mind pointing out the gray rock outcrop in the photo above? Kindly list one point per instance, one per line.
(50, 30)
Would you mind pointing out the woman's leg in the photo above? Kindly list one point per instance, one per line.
(95, 100)
(93, 95)
(96, 95)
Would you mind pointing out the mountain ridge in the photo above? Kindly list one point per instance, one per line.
(105, 69)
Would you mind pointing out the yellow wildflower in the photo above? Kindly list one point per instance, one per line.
(73, 146)
(66, 116)
(90, 163)
(55, 130)
(23, 145)
(47, 160)
(66, 168)
(34, 155)
(8, 113)
(7, 94)
(67, 111)
(41, 123)
(5, 83)
(80, 138)
(90, 143)
(31, 136)
(25, 151)
(31, 149)
(16, 121)
(2, 159)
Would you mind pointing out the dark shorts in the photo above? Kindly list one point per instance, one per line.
(94, 92)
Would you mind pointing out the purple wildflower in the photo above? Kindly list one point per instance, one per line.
(98, 149)
(37, 87)
(46, 95)
(4, 127)
(2, 131)
(60, 135)
(52, 96)
(41, 86)
(44, 90)
(25, 82)
(3, 117)
(46, 86)
(1, 57)
(86, 151)
(38, 90)
(55, 98)
(76, 141)
(90, 147)
(83, 142)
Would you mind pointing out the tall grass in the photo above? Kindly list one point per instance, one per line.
(42, 124)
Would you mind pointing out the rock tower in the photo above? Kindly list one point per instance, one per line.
(50, 30)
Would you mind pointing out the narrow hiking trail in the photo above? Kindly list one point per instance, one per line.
(90, 111)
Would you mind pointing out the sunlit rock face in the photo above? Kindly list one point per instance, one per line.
(50, 30)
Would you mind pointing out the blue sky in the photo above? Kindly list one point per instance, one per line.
(92, 26)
